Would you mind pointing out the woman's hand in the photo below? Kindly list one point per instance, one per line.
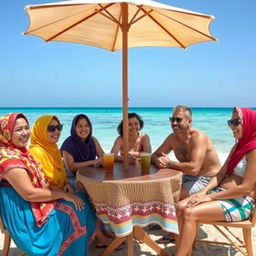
(76, 200)
(68, 188)
(198, 198)
(99, 162)
(132, 159)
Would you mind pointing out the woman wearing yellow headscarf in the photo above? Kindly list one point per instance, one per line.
(45, 134)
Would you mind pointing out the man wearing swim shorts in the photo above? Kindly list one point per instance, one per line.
(196, 155)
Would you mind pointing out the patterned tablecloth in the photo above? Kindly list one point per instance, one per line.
(127, 202)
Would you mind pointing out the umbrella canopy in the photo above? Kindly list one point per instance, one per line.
(119, 25)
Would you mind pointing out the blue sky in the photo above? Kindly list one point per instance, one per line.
(213, 74)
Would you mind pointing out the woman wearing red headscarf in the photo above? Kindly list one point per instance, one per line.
(230, 194)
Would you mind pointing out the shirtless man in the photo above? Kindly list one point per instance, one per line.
(197, 157)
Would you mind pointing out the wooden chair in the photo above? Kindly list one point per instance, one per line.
(245, 245)
(7, 239)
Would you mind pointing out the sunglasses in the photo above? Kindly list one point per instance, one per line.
(52, 128)
(178, 120)
(234, 122)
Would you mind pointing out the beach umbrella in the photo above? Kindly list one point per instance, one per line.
(118, 25)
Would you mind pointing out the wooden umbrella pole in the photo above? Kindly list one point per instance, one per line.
(124, 9)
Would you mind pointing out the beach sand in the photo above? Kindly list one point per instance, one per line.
(143, 250)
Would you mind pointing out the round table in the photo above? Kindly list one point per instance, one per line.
(129, 200)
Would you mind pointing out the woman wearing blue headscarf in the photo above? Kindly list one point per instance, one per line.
(81, 149)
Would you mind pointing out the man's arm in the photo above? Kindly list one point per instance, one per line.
(165, 148)
(198, 145)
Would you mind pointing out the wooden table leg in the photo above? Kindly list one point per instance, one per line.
(130, 251)
(141, 235)
(113, 245)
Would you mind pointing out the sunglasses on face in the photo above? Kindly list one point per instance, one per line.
(52, 128)
(178, 120)
(234, 122)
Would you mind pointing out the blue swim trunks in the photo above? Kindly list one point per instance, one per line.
(194, 184)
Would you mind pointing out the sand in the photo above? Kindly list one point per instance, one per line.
(143, 250)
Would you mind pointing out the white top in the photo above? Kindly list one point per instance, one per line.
(240, 168)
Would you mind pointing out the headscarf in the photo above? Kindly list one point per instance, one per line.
(248, 140)
(12, 156)
(47, 153)
(80, 150)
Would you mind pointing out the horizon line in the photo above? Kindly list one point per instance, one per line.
(28, 107)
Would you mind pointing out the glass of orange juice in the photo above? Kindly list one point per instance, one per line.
(108, 161)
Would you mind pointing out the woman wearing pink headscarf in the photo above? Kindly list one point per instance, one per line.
(230, 194)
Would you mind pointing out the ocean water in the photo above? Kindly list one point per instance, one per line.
(213, 121)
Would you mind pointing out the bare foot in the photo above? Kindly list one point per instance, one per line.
(101, 239)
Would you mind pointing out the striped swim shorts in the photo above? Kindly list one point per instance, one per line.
(237, 209)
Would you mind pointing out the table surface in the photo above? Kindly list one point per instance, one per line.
(133, 173)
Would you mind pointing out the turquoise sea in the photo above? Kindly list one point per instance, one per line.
(213, 121)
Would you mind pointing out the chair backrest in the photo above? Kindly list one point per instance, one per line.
(253, 216)
(2, 228)
(1, 225)
(7, 239)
